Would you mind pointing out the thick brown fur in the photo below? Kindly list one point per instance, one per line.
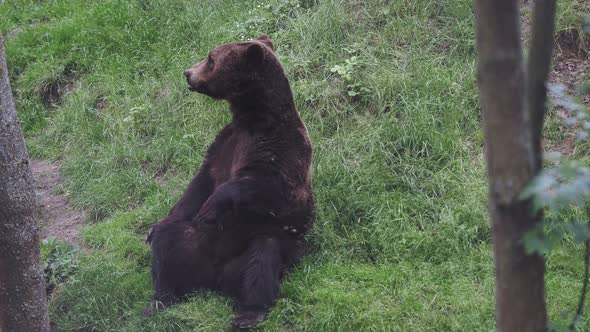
(240, 225)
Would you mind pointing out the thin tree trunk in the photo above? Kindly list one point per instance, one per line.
(512, 162)
(539, 63)
(23, 305)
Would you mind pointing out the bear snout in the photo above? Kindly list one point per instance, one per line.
(196, 85)
(191, 80)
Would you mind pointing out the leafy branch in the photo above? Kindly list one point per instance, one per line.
(565, 184)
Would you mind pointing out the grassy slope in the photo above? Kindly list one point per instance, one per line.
(402, 240)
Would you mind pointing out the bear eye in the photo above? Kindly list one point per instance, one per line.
(210, 61)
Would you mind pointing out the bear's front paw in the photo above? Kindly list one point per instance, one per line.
(248, 318)
(208, 221)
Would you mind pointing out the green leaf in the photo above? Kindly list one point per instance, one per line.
(553, 156)
(541, 242)
(560, 326)
(534, 243)
(581, 231)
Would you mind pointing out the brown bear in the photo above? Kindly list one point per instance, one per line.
(240, 225)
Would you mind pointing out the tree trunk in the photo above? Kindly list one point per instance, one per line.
(539, 63)
(23, 304)
(512, 144)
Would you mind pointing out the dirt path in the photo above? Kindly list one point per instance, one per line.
(57, 218)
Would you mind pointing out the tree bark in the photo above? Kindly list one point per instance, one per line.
(23, 304)
(512, 159)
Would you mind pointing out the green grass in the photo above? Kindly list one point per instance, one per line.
(402, 241)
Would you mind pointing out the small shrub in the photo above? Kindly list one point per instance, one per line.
(269, 17)
(347, 72)
(59, 259)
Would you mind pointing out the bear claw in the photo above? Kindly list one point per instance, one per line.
(148, 237)
(153, 308)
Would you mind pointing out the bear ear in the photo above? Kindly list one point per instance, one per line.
(255, 53)
(265, 39)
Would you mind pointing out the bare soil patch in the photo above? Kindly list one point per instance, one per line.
(57, 218)
(53, 90)
(571, 60)
(571, 64)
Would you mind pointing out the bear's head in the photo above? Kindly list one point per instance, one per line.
(233, 69)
